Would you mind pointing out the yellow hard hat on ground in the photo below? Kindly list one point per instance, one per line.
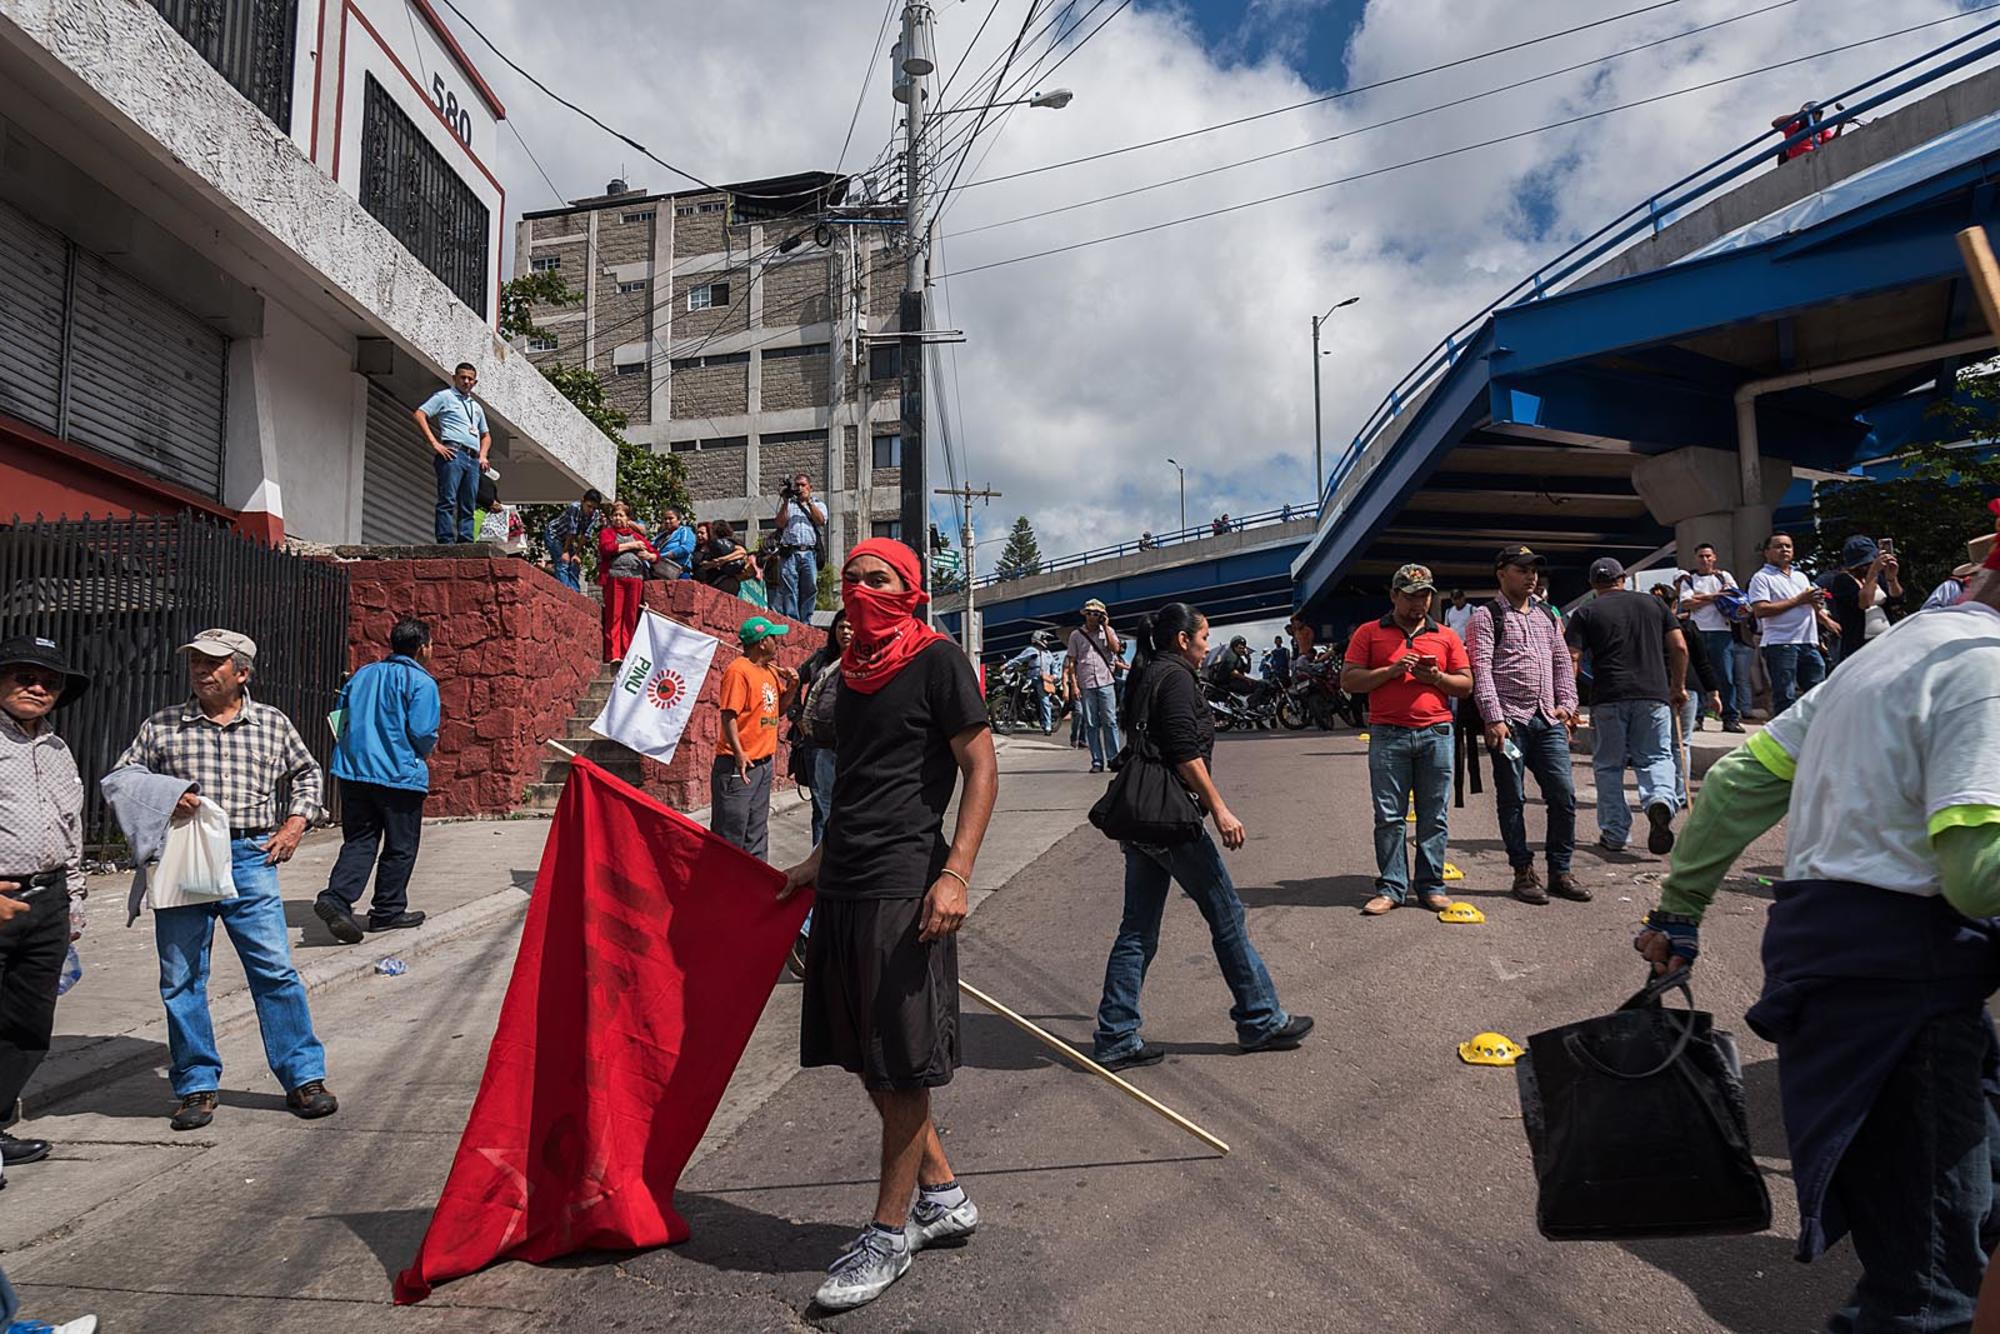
(1462, 912)
(1490, 1049)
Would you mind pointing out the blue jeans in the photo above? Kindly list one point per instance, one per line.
(798, 586)
(1544, 747)
(1401, 761)
(1099, 707)
(457, 494)
(1793, 669)
(1721, 645)
(1742, 658)
(1640, 731)
(1149, 874)
(255, 921)
(1917, 1186)
(569, 574)
(1045, 709)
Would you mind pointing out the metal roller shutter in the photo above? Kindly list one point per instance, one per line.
(398, 484)
(32, 264)
(146, 380)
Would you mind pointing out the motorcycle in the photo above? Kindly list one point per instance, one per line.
(1237, 712)
(1315, 697)
(1013, 700)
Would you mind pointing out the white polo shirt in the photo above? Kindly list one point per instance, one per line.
(1710, 617)
(1796, 626)
(1896, 737)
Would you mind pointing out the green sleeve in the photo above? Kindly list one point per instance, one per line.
(1743, 796)
(1968, 852)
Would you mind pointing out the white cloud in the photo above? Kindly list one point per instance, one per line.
(1085, 370)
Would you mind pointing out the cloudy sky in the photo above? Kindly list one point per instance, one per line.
(1085, 370)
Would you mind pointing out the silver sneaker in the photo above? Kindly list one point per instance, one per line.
(864, 1271)
(935, 1225)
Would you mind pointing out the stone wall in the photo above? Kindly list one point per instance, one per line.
(512, 649)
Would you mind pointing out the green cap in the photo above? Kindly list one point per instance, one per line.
(760, 628)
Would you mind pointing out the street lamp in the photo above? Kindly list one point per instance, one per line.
(1055, 100)
(1183, 472)
(1319, 461)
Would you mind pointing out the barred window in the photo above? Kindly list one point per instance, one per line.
(542, 343)
(545, 263)
(410, 189)
(251, 43)
(643, 215)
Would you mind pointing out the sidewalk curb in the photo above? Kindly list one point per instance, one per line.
(60, 1079)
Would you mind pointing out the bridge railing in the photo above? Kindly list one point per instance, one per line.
(1201, 532)
(1649, 215)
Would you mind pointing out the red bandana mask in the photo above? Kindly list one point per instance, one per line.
(887, 633)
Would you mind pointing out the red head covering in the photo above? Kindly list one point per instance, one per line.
(887, 633)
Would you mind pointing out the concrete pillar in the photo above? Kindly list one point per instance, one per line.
(1699, 492)
(249, 444)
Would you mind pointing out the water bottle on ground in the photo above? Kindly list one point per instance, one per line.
(392, 967)
(72, 972)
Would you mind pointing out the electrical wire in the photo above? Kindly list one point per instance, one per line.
(973, 45)
(1468, 148)
(1377, 125)
(561, 201)
(874, 54)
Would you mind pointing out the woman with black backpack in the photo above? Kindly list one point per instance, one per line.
(1164, 780)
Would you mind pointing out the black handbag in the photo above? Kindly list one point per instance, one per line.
(1637, 1125)
(1146, 802)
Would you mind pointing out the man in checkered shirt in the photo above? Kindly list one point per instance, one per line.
(248, 759)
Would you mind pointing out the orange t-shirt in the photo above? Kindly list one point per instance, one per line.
(751, 693)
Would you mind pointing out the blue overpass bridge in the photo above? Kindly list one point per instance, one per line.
(1756, 326)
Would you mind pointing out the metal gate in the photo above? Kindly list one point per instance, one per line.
(34, 269)
(122, 595)
(398, 483)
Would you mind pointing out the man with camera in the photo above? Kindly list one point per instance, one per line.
(800, 523)
(1094, 651)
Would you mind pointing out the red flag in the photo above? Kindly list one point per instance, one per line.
(649, 951)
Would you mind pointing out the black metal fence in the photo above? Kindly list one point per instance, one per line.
(120, 596)
(252, 43)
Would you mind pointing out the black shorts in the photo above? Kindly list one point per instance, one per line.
(878, 1002)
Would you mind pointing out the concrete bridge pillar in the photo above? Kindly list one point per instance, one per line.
(1700, 492)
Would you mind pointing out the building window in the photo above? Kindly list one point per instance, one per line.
(630, 368)
(542, 343)
(888, 451)
(643, 215)
(715, 359)
(716, 442)
(885, 361)
(889, 528)
(251, 43)
(710, 296)
(638, 286)
(793, 437)
(545, 263)
(689, 210)
(807, 350)
(410, 189)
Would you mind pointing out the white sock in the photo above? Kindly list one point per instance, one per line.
(948, 1196)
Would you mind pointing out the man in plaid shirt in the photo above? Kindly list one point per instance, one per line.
(248, 759)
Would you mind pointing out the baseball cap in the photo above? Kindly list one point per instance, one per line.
(1518, 555)
(221, 644)
(39, 652)
(1413, 579)
(1096, 605)
(1606, 570)
(1857, 550)
(759, 628)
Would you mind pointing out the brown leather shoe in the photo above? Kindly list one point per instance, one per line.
(1378, 905)
(196, 1110)
(1528, 886)
(312, 1100)
(1436, 901)
(1566, 886)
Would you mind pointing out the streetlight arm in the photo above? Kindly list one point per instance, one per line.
(1055, 100)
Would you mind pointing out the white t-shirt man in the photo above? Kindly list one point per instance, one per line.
(1795, 626)
(1709, 616)
(1457, 618)
(1892, 740)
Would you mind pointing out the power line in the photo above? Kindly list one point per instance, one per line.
(867, 74)
(973, 45)
(560, 199)
(1376, 125)
(1468, 148)
(1329, 97)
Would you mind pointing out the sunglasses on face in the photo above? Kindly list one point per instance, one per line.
(35, 676)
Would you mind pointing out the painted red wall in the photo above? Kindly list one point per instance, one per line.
(41, 475)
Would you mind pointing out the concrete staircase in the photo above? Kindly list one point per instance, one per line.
(576, 734)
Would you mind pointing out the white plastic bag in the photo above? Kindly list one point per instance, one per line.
(195, 864)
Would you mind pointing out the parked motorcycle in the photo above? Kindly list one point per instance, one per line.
(1315, 698)
(1013, 700)
(1245, 713)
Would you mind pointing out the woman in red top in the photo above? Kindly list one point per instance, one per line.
(624, 558)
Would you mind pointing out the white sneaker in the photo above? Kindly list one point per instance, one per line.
(935, 1225)
(83, 1324)
(864, 1271)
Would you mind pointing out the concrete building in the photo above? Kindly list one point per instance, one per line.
(731, 326)
(239, 240)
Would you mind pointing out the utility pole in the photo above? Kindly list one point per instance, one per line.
(970, 544)
(917, 62)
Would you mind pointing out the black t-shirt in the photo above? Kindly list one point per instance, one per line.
(1180, 722)
(894, 776)
(1626, 634)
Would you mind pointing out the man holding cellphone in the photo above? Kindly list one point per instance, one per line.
(41, 865)
(1092, 651)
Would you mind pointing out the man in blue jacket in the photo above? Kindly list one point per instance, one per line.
(388, 725)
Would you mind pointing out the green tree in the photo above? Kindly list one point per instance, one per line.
(828, 598)
(519, 297)
(1022, 556)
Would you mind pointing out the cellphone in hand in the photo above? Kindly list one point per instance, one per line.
(1887, 546)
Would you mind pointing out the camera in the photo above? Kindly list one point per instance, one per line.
(788, 492)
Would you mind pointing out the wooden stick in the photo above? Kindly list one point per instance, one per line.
(1984, 272)
(560, 748)
(1092, 1066)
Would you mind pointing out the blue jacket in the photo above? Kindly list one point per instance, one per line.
(390, 725)
(678, 547)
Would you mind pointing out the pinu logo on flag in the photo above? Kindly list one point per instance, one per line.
(657, 690)
(666, 688)
(635, 674)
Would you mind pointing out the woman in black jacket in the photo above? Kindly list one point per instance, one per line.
(1166, 707)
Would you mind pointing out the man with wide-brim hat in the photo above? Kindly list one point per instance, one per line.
(1094, 655)
(41, 864)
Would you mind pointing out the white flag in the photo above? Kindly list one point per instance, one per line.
(656, 688)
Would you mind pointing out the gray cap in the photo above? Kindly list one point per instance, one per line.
(1606, 570)
(220, 643)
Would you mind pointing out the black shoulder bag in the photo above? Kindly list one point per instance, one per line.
(1146, 802)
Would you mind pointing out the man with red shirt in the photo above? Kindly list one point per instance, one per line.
(1411, 668)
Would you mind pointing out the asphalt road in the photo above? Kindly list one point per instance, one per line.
(1376, 1183)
